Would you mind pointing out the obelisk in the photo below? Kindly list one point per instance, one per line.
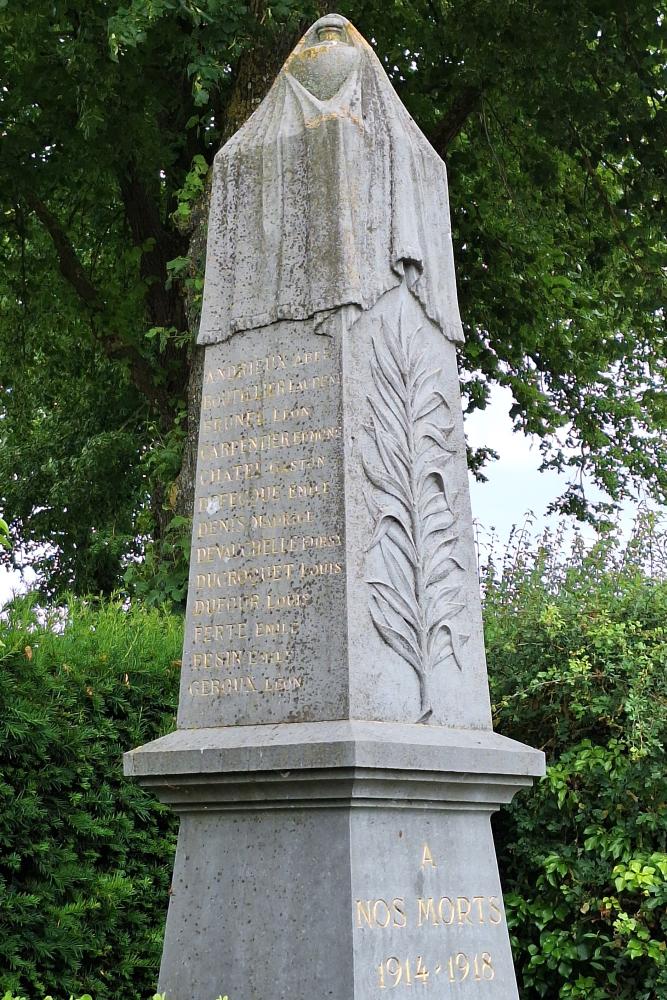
(334, 766)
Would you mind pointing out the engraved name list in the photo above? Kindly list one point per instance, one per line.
(268, 527)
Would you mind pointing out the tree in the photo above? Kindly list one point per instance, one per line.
(551, 119)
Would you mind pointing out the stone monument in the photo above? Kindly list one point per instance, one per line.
(334, 766)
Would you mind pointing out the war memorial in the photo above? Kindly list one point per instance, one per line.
(334, 766)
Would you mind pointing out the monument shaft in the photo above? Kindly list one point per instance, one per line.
(334, 765)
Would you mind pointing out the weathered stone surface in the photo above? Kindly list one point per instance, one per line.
(235, 750)
(333, 570)
(266, 630)
(334, 766)
(323, 196)
(336, 902)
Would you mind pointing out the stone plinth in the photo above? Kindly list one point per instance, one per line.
(340, 858)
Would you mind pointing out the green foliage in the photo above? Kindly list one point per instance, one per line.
(162, 575)
(86, 996)
(85, 855)
(577, 650)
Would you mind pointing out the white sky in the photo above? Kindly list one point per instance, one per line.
(515, 488)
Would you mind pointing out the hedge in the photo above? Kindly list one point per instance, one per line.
(577, 651)
(85, 855)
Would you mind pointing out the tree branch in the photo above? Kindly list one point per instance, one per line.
(468, 101)
(70, 265)
(113, 345)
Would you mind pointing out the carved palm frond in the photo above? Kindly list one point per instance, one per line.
(414, 608)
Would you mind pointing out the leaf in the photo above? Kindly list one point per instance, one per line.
(435, 400)
(413, 506)
(457, 640)
(420, 379)
(391, 407)
(439, 436)
(404, 542)
(388, 484)
(441, 570)
(395, 349)
(400, 536)
(392, 459)
(397, 641)
(393, 597)
(438, 556)
(397, 574)
(436, 522)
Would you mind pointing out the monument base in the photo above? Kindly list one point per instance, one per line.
(339, 859)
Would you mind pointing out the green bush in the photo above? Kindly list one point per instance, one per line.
(85, 855)
(87, 996)
(577, 652)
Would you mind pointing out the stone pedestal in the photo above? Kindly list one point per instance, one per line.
(337, 859)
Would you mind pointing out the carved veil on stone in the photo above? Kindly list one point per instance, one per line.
(324, 196)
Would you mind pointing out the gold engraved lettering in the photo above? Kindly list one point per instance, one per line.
(247, 369)
(427, 912)
(221, 525)
(282, 519)
(275, 628)
(398, 907)
(381, 913)
(378, 913)
(218, 633)
(224, 659)
(446, 911)
(241, 577)
(244, 419)
(282, 414)
(260, 392)
(319, 569)
(431, 911)
(311, 357)
(427, 857)
(363, 912)
(277, 685)
(463, 910)
(277, 602)
(301, 465)
(320, 542)
(228, 474)
(325, 381)
(223, 605)
(210, 553)
(243, 685)
(273, 546)
(239, 498)
(306, 491)
(495, 908)
(271, 441)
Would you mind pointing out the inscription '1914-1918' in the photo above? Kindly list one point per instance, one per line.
(443, 921)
